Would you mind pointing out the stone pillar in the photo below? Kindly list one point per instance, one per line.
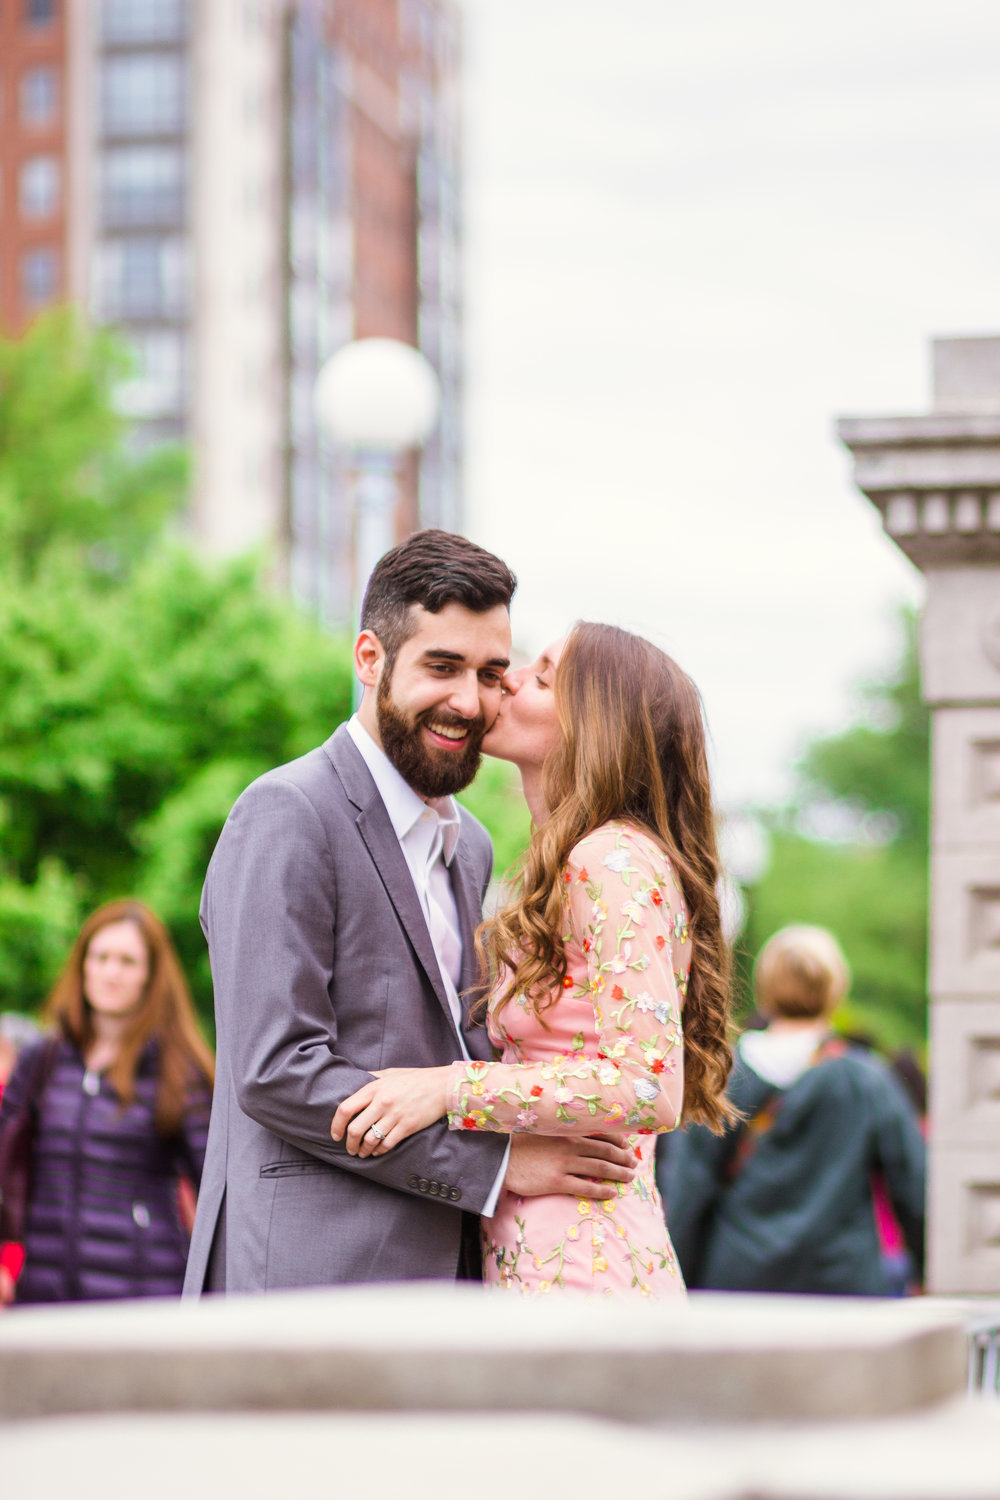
(936, 481)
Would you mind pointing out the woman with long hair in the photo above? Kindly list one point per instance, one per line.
(122, 1099)
(609, 994)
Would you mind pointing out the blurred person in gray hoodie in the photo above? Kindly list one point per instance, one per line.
(783, 1202)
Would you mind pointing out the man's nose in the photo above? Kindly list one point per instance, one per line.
(464, 699)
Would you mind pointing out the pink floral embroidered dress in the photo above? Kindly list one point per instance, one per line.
(608, 1058)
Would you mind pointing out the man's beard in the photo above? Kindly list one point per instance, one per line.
(431, 773)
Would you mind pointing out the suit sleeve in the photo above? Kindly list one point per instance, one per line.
(270, 914)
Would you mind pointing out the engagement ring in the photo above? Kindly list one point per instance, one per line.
(378, 1134)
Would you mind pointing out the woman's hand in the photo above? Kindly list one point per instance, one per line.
(397, 1103)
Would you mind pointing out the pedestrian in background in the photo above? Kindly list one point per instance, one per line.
(122, 1094)
(16, 1032)
(783, 1202)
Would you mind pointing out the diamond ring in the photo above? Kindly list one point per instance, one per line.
(378, 1134)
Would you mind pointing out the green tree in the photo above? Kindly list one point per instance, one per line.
(495, 799)
(133, 717)
(869, 883)
(67, 479)
(140, 690)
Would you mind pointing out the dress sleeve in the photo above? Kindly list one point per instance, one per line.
(622, 904)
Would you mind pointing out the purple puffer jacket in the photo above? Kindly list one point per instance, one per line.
(102, 1215)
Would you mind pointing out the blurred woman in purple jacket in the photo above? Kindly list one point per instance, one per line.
(124, 1095)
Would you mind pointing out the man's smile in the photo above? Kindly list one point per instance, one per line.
(447, 734)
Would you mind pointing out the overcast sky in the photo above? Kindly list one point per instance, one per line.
(697, 234)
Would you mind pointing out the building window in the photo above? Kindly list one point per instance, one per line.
(143, 20)
(39, 96)
(39, 12)
(157, 388)
(141, 278)
(143, 94)
(39, 277)
(142, 186)
(39, 187)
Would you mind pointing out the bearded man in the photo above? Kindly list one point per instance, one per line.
(339, 907)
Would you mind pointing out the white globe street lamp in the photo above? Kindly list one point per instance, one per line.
(377, 398)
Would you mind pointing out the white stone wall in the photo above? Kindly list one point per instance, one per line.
(936, 480)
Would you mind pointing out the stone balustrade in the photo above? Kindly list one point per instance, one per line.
(412, 1391)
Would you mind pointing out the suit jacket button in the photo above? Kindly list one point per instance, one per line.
(411, 1182)
(432, 1188)
(423, 1184)
(455, 1194)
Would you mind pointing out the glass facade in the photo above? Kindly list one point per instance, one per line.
(141, 277)
(319, 316)
(157, 389)
(134, 21)
(430, 88)
(142, 94)
(140, 268)
(142, 187)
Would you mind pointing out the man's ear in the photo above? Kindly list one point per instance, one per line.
(368, 658)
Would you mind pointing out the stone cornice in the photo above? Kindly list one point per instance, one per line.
(935, 479)
(938, 428)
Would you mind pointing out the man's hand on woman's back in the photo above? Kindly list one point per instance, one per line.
(582, 1167)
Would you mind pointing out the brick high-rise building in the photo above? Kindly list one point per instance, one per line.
(33, 159)
(242, 186)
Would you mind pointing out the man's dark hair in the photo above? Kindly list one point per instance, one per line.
(431, 568)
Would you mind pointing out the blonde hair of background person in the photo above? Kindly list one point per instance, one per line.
(801, 974)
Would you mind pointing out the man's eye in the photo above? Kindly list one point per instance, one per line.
(491, 679)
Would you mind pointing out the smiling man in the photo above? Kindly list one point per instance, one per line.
(340, 907)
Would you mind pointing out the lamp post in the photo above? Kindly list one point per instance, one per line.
(377, 398)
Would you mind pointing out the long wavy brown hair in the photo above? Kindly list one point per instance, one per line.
(165, 1015)
(632, 747)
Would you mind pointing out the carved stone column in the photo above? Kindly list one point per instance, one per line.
(936, 481)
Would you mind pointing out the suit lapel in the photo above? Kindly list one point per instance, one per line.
(376, 830)
(466, 891)
(467, 899)
(383, 846)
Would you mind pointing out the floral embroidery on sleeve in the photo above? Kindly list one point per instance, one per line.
(625, 919)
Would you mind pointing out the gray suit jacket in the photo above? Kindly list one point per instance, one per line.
(324, 969)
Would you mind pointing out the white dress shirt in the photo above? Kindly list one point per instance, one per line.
(428, 833)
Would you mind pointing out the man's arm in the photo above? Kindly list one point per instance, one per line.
(270, 915)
